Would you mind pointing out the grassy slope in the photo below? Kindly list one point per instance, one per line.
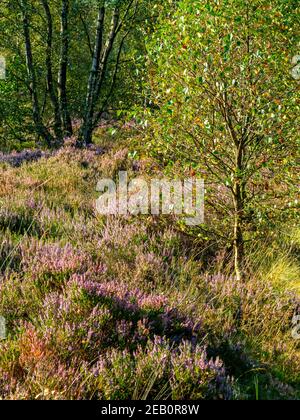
(119, 308)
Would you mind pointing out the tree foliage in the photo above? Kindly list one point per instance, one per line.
(49, 48)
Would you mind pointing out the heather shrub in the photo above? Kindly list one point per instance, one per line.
(195, 377)
(133, 307)
(19, 300)
(51, 264)
(249, 325)
(10, 256)
(112, 331)
(17, 159)
(20, 220)
(144, 254)
(37, 373)
(160, 371)
(114, 162)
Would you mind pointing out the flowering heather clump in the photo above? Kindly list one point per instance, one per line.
(77, 155)
(17, 159)
(10, 258)
(51, 261)
(149, 266)
(39, 374)
(19, 220)
(160, 371)
(128, 300)
(151, 313)
(196, 377)
(246, 301)
(74, 328)
(111, 331)
(7, 384)
(142, 254)
(114, 162)
(88, 316)
(117, 234)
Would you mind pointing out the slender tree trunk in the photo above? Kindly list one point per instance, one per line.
(51, 87)
(238, 243)
(40, 128)
(85, 136)
(239, 203)
(107, 52)
(97, 74)
(113, 83)
(63, 71)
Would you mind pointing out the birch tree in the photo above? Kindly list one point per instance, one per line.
(108, 47)
(63, 71)
(41, 129)
(228, 106)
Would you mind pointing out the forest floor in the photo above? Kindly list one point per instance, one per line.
(121, 307)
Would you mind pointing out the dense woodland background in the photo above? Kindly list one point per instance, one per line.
(148, 307)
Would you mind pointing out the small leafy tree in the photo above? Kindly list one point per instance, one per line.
(227, 100)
